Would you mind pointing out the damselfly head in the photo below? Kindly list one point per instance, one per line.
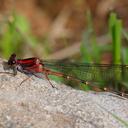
(12, 60)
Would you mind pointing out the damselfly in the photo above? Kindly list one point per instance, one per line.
(79, 72)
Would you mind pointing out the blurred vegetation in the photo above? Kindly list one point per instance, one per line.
(16, 34)
(91, 51)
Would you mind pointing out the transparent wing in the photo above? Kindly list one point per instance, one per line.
(89, 71)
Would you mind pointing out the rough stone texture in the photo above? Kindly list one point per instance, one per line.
(35, 104)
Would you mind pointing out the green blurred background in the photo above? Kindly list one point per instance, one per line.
(82, 30)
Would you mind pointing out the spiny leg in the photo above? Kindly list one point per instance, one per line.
(46, 75)
(25, 80)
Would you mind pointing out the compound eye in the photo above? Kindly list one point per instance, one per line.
(11, 62)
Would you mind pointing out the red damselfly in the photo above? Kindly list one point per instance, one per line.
(79, 72)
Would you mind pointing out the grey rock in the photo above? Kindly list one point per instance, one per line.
(35, 104)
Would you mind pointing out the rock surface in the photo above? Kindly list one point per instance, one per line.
(35, 104)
